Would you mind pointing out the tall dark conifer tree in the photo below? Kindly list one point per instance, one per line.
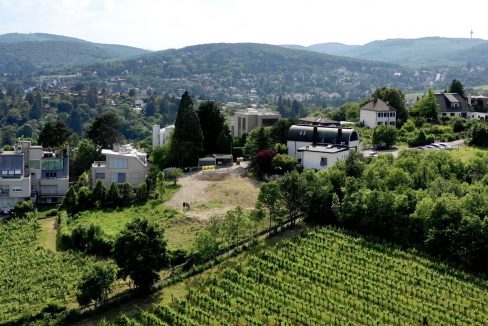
(188, 137)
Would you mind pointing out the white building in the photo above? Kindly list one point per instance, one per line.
(250, 118)
(123, 164)
(321, 147)
(30, 172)
(321, 157)
(377, 113)
(160, 136)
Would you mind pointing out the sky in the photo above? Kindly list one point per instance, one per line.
(158, 25)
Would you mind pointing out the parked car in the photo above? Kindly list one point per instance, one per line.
(445, 146)
(438, 146)
(372, 154)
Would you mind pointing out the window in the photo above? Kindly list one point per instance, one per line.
(17, 189)
(323, 161)
(392, 123)
(51, 175)
(379, 115)
(244, 124)
(453, 114)
(380, 123)
(117, 177)
(99, 176)
(4, 190)
(52, 164)
(118, 163)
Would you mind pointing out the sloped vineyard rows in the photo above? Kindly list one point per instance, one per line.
(328, 277)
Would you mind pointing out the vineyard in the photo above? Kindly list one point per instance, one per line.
(31, 277)
(327, 277)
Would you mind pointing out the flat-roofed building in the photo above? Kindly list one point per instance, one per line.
(30, 172)
(123, 164)
(250, 118)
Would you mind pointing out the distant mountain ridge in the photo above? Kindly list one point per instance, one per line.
(418, 52)
(40, 52)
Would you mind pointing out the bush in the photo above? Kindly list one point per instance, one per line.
(52, 212)
(284, 163)
(23, 208)
(89, 239)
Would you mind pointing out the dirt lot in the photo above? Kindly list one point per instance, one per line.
(208, 198)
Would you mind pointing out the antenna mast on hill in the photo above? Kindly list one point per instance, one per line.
(471, 33)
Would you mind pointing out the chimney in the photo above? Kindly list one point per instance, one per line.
(339, 135)
(315, 135)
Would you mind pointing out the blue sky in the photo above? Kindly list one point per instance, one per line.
(166, 24)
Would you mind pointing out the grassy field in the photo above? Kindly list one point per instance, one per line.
(32, 277)
(179, 229)
(328, 277)
(465, 152)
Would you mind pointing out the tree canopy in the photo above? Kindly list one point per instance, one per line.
(54, 134)
(104, 131)
(457, 87)
(140, 252)
(187, 141)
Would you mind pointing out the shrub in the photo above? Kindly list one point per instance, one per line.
(23, 208)
(284, 163)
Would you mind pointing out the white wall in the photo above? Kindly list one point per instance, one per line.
(368, 118)
(311, 160)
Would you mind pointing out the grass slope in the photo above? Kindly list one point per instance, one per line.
(179, 229)
(329, 277)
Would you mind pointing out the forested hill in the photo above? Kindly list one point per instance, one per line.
(418, 52)
(267, 68)
(33, 53)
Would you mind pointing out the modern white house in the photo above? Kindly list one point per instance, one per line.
(250, 118)
(321, 157)
(31, 172)
(321, 147)
(160, 136)
(377, 113)
(123, 164)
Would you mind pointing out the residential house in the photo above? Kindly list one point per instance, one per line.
(321, 147)
(479, 104)
(250, 118)
(123, 164)
(30, 172)
(453, 105)
(377, 113)
(160, 136)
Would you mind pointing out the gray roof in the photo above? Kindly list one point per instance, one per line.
(323, 149)
(452, 102)
(325, 135)
(378, 105)
(318, 120)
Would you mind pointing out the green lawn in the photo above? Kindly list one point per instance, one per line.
(180, 230)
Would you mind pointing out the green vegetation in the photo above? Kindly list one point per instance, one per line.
(32, 53)
(328, 277)
(422, 199)
(180, 231)
(32, 278)
(140, 252)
